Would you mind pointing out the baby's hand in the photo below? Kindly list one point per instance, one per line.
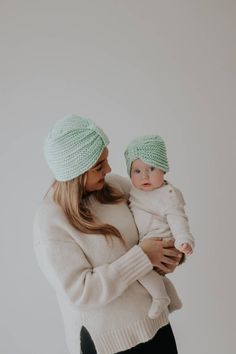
(186, 249)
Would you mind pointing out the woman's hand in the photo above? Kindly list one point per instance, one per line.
(161, 253)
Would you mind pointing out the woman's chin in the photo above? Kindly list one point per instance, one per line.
(100, 184)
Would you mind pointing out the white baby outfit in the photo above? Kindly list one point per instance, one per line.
(160, 212)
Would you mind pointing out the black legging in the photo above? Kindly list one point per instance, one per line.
(162, 343)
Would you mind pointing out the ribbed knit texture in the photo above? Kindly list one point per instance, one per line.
(73, 146)
(150, 149)
(122, 338)
(95, 279)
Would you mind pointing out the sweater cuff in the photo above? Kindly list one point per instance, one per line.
(133, 265)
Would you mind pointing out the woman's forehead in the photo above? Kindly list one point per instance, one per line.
(103, 157)
(104, 154)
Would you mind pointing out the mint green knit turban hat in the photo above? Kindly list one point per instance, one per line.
(73, 146)
(150, 149)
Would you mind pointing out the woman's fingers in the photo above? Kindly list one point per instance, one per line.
(167, 243)
(163, 268)
(172, 252)
(168, 260)
(171, 268)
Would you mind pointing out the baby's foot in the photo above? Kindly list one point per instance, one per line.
(157, 306)
(175, 302)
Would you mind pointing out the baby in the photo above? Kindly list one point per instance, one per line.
(158, 209)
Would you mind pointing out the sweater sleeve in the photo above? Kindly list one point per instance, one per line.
(70, 273)
(178, 220)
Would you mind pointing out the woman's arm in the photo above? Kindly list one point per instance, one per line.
(71, 274)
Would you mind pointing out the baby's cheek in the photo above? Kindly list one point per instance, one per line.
(157, 180)
(134, 181)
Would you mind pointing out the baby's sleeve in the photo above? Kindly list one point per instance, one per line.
(177, 218)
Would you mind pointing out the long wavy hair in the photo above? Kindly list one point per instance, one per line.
(72, 197)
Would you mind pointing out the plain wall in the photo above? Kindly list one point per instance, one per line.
(134, 67)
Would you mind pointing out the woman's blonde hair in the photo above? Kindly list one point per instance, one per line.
(74, 201)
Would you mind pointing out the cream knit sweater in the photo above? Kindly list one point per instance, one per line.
(95, 280)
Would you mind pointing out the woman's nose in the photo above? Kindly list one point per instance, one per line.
(107, 169)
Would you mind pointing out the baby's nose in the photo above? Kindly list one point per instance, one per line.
(145, 173)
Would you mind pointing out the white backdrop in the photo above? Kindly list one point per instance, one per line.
(134, 67)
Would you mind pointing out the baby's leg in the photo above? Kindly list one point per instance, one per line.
(154, 284)
(175, 302)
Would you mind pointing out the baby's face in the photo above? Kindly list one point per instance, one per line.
(146, 177)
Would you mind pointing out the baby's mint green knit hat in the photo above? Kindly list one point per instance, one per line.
(150, 149)
(73, 146)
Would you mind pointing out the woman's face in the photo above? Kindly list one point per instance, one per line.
(95, 177)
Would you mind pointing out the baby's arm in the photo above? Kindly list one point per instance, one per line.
(178, 222)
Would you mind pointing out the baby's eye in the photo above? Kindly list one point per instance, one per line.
(99, 169)
(136, 171)
(152, 168)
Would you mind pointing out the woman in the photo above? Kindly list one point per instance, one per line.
(86, 245)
